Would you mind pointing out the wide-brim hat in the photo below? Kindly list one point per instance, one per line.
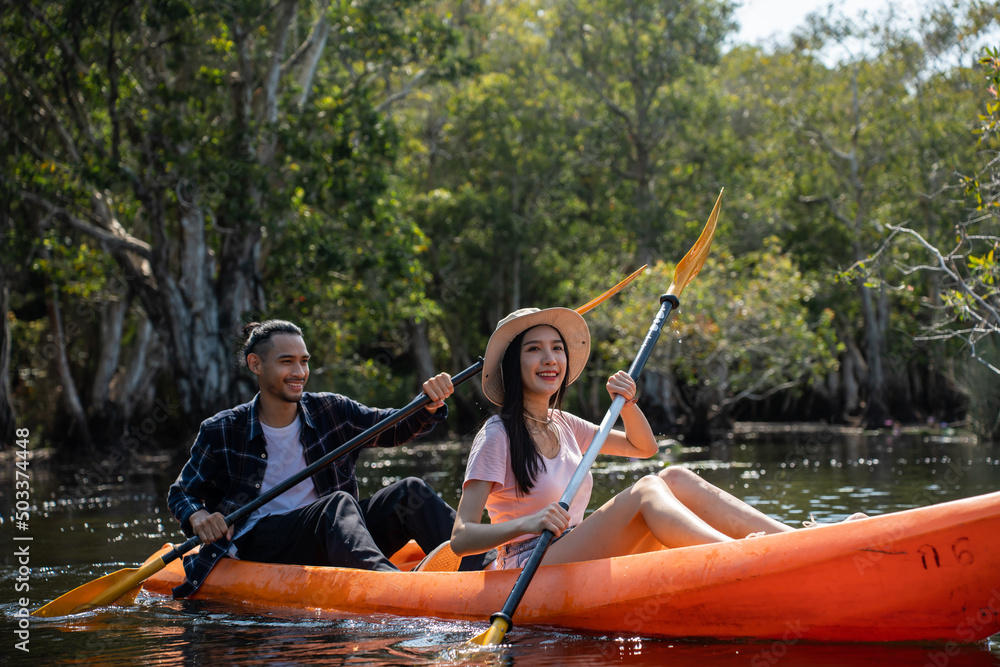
(569, 323)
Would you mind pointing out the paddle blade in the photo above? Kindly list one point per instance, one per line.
(691, 263)
(594, 303)
(101, 592)
(494, 635)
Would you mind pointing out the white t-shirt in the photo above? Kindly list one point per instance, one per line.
(285, 457)
(489, 461)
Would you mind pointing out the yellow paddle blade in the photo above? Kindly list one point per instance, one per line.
(594, 303)
(440, 559)
(691, 263)
(494, 635)
(100, 592)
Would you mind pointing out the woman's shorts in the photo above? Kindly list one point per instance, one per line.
(516, 554)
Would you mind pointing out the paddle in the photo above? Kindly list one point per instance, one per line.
(111, 587)
(684, 273)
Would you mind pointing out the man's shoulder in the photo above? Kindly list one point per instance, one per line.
(228, 417)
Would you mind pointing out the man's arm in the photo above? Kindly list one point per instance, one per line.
(186, 496)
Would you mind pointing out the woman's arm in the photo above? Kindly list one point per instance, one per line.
(637, 441)
(471, 536)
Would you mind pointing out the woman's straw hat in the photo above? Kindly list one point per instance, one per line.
(568, 322)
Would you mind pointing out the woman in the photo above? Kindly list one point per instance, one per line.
(522, 460)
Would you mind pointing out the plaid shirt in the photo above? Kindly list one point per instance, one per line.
(229, 456)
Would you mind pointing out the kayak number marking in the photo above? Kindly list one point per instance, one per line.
(926, 551)
(962, 555)
(929, 554)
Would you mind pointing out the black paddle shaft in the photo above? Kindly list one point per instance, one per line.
(668, 302)
(354, 443)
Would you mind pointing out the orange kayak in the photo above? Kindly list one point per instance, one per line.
(926, 574)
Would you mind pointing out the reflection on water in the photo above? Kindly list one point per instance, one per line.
(79, 536)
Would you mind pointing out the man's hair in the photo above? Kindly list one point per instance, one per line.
(257, 336)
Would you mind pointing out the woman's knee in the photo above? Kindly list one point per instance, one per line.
(675, 476)
(650, 487)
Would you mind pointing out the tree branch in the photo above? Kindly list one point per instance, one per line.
(114, 239)
(10, 67)
(957, 278)
(832, 205)
(272, 79)
(403, 92)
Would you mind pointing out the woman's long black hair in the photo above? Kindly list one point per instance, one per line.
(525, 460)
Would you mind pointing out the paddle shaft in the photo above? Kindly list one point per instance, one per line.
(668, 302)
(354, 443)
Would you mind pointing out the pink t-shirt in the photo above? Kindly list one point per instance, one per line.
(489, 461)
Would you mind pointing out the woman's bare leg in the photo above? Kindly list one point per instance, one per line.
(723, 511)
(625, 523)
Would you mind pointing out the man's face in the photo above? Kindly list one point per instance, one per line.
(282, 371)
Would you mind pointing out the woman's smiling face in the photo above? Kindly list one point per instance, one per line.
(543, 361)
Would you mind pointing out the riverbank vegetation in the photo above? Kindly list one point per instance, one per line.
(397, 176)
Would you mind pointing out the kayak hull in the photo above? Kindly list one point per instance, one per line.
(928, 574)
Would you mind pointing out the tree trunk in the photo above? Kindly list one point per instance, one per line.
(661, 401)
(660, 398)
(111, 326)
(875, 407)
(104, 413)
(420, 348)
(70, 396)
(515, 288)
(133, 387)
(852, 367)
(121, 387)
(645, 204)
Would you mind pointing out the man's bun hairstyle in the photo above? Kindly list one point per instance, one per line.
(257, 337)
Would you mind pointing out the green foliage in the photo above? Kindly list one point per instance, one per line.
(198, 151)
(441, 164)
(744, 330)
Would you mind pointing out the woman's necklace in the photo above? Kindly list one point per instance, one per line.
(546, 421)
(547, 441)
(545, 436)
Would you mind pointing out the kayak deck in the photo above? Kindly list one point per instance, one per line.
(927, 574)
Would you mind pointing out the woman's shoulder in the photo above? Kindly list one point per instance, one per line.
(569, 419)
(493, 431)
(489, 452)
(581, 429)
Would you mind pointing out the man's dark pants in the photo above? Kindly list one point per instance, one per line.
(339, 530)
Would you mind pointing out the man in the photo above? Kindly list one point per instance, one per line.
(241, 453)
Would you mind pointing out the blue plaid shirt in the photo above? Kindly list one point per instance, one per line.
(229, 456)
